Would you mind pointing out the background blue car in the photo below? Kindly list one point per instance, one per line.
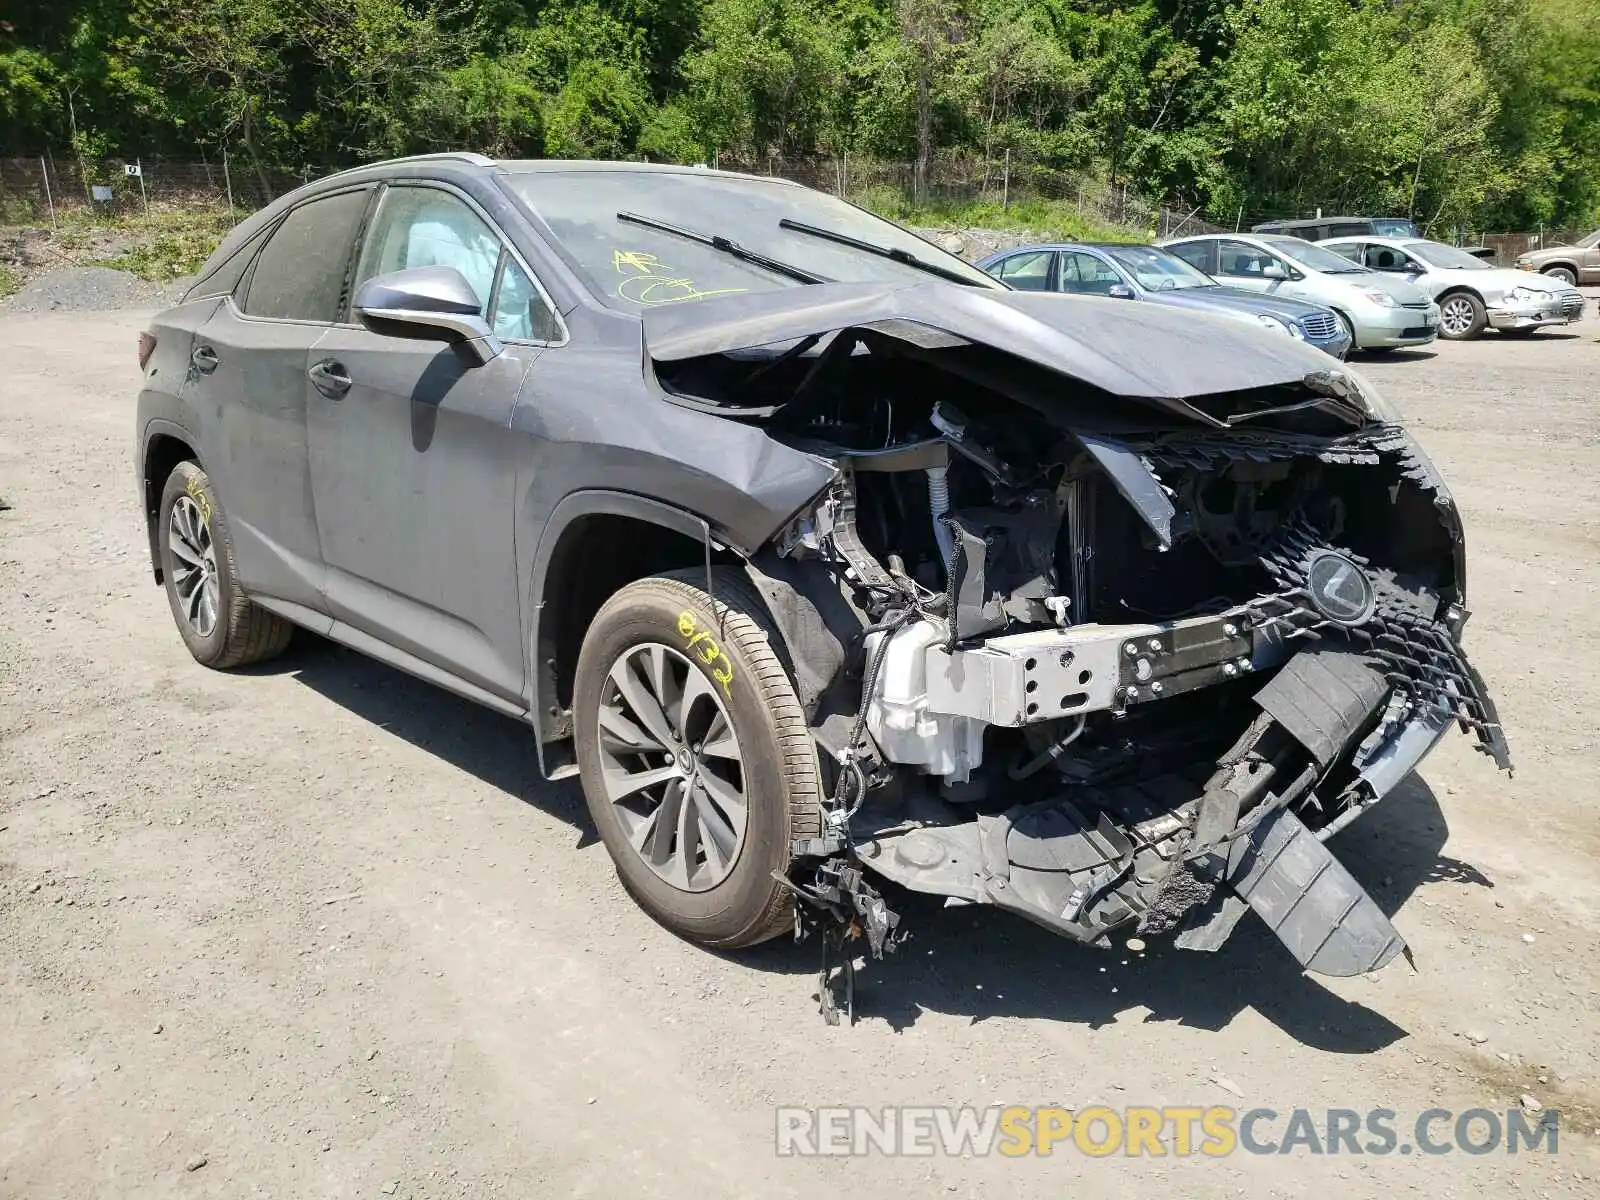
(1148, 273)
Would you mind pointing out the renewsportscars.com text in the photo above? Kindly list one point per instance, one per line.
(1214, 1131)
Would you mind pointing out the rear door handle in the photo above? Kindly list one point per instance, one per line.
(204, 359)
(330, 378)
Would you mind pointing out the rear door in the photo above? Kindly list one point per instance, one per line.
(247, 385)
(413, 464)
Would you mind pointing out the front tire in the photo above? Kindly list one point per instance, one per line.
(697, 763)
(1461, 317)
(216, 620)
(1565, 274)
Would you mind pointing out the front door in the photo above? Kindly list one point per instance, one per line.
(412, 463)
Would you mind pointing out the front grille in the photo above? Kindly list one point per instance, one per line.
(1422, 304)
(1417, 652)
(1320, 326)
(1411, 331)
(1571, 304)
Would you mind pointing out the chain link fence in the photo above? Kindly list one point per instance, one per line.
(47, 190)
(39, 191)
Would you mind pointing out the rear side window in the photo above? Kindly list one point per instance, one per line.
(222, 279)
(301, 272)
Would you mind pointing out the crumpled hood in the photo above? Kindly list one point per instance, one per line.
(1138, 351)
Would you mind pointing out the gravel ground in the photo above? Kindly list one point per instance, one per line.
(90, 289)
(316, 929)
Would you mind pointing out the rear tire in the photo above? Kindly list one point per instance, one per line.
(731, 774)
(1461, 317)
(217, 621)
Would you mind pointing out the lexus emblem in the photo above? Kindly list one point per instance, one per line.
(1339, 589)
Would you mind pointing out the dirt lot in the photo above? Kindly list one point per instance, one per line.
(321, 929)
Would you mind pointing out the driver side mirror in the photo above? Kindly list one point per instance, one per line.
(428, 304)
(1274, 270)
(1121, 291)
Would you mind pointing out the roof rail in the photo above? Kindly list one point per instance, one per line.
(467, 156)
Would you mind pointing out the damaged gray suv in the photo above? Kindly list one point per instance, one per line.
(819, 555)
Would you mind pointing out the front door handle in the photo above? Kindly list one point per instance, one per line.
(204, 359)
(330, 378)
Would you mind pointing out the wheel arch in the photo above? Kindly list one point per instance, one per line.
(1546, 268)
(594, 543)
(165, 446)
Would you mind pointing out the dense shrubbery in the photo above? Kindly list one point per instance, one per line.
(1476, 111)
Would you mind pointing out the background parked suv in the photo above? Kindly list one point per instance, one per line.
(1318, 228)
(1578, 263)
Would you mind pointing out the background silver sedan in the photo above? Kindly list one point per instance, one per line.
(1473, 295)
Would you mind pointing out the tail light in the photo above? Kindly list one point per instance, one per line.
(147, 347)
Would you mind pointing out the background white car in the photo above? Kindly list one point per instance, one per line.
(1472, 294)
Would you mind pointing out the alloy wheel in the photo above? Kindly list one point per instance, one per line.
(194, 565)
(1456, 316)
(671, 767)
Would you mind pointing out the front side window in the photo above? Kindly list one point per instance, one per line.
(425, 227)
(1386, 258)
(520, 309)
(1242, 260)
(300, 274)
(1087, 275)
(1027, 272)
(428, 227)
(1350, 250)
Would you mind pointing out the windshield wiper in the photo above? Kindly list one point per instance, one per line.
(892, 253)
(726, 246)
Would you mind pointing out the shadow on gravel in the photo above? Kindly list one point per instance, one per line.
(494, 748)
(969, 961)
(983, 963)
(1419, 354)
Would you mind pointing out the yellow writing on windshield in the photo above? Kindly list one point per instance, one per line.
(648, 280)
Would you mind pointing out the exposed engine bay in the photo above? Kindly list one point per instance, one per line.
(1108, 664)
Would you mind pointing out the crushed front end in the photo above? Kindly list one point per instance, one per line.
(1109, 665)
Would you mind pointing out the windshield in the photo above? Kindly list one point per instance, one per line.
(1314, 257)
(1158, 271)
(1395, 227)
(633, 267)
(1591, 241)
(1439, 255)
